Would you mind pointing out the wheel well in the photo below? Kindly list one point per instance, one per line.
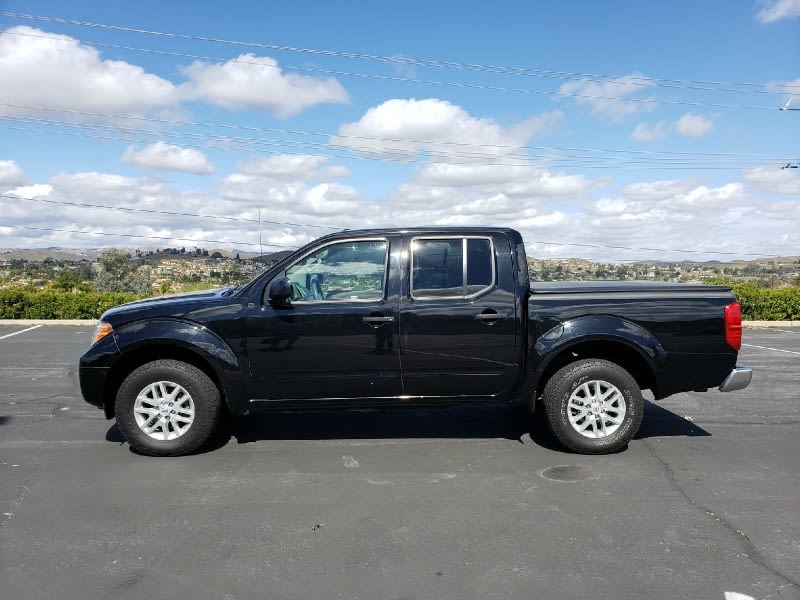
(146, 354)
(620, 354)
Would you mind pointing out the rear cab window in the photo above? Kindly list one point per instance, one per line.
(451, 267)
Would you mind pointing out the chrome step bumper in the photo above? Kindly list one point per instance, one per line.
(738, 379)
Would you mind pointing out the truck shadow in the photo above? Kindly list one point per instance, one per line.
(660, 422)
(479, 422)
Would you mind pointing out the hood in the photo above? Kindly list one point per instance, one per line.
(173, 305)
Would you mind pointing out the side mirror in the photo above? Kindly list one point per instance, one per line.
(280, 290)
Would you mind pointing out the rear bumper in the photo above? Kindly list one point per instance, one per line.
(738, 379)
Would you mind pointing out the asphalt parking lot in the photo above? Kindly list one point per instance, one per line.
(453, 503)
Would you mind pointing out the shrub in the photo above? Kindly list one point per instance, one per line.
(21, 303)
(768, 304)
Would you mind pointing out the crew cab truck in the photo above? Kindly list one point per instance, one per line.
(409, 317)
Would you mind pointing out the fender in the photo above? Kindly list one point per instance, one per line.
(593, 328)
(157, 336)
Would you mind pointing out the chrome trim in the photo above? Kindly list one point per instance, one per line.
(738, 379)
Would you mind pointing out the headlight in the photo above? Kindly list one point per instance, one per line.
(102, 330)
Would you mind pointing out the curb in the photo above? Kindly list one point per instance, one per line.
(769, 324)
(93, 322)
(34, 322)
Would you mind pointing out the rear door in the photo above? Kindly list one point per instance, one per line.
(457, 317)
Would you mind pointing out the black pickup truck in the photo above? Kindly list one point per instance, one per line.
(409, 317)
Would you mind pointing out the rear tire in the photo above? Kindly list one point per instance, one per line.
(593, 406)
(167, 408)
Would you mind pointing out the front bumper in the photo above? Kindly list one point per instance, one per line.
(738, 379)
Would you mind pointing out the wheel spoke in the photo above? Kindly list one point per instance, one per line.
(611, 392)
(150, 428)
(577, 417)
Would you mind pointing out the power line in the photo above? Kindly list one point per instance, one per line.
(145, 237)
(532, 162)
(621, 80)
(163, 212)
(627, 80)
(644, 249)
(404, 60)
(117, 116)
(127, 209)
(584, 157)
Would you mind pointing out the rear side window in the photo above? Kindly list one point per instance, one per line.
(451, 267)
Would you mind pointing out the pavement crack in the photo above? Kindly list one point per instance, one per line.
(7, 516)
(751, 551)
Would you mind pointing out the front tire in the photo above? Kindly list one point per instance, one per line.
(167, 408)
(593, 406)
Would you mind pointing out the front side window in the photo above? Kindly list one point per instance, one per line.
(343, 271)
(451, 267)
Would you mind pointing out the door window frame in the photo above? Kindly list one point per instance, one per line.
(464, 266)
(344, 300)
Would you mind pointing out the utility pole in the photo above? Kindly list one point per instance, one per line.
(787, 106)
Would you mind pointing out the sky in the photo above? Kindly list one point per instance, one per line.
(610, 131)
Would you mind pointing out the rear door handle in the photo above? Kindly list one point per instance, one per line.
(377, 321)
(490, 318)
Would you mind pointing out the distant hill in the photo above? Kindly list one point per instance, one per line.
(155, 254)
(40, 254)
(91, 254)
(272, 258)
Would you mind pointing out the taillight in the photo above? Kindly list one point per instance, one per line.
(733, 325)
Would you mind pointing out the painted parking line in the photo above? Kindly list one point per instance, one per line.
(773, 349)
(8, 335)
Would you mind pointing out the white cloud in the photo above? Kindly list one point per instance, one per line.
(336, 172)
(59, 72)
(689, 125)
(406, 128)
(284, 166)
(695, 126)
(259, 190)
(612, 97)
(11, 173)
(657, 190)
(94, 186)
(556, 208)
(776, 10)
(257, 83)
(774, 179)
(646, 133)
(294, 201)
(169, 157)
(705, 199)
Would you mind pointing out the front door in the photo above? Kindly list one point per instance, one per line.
(336, 337)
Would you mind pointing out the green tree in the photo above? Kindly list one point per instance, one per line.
(119, 274)
(68, 281)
